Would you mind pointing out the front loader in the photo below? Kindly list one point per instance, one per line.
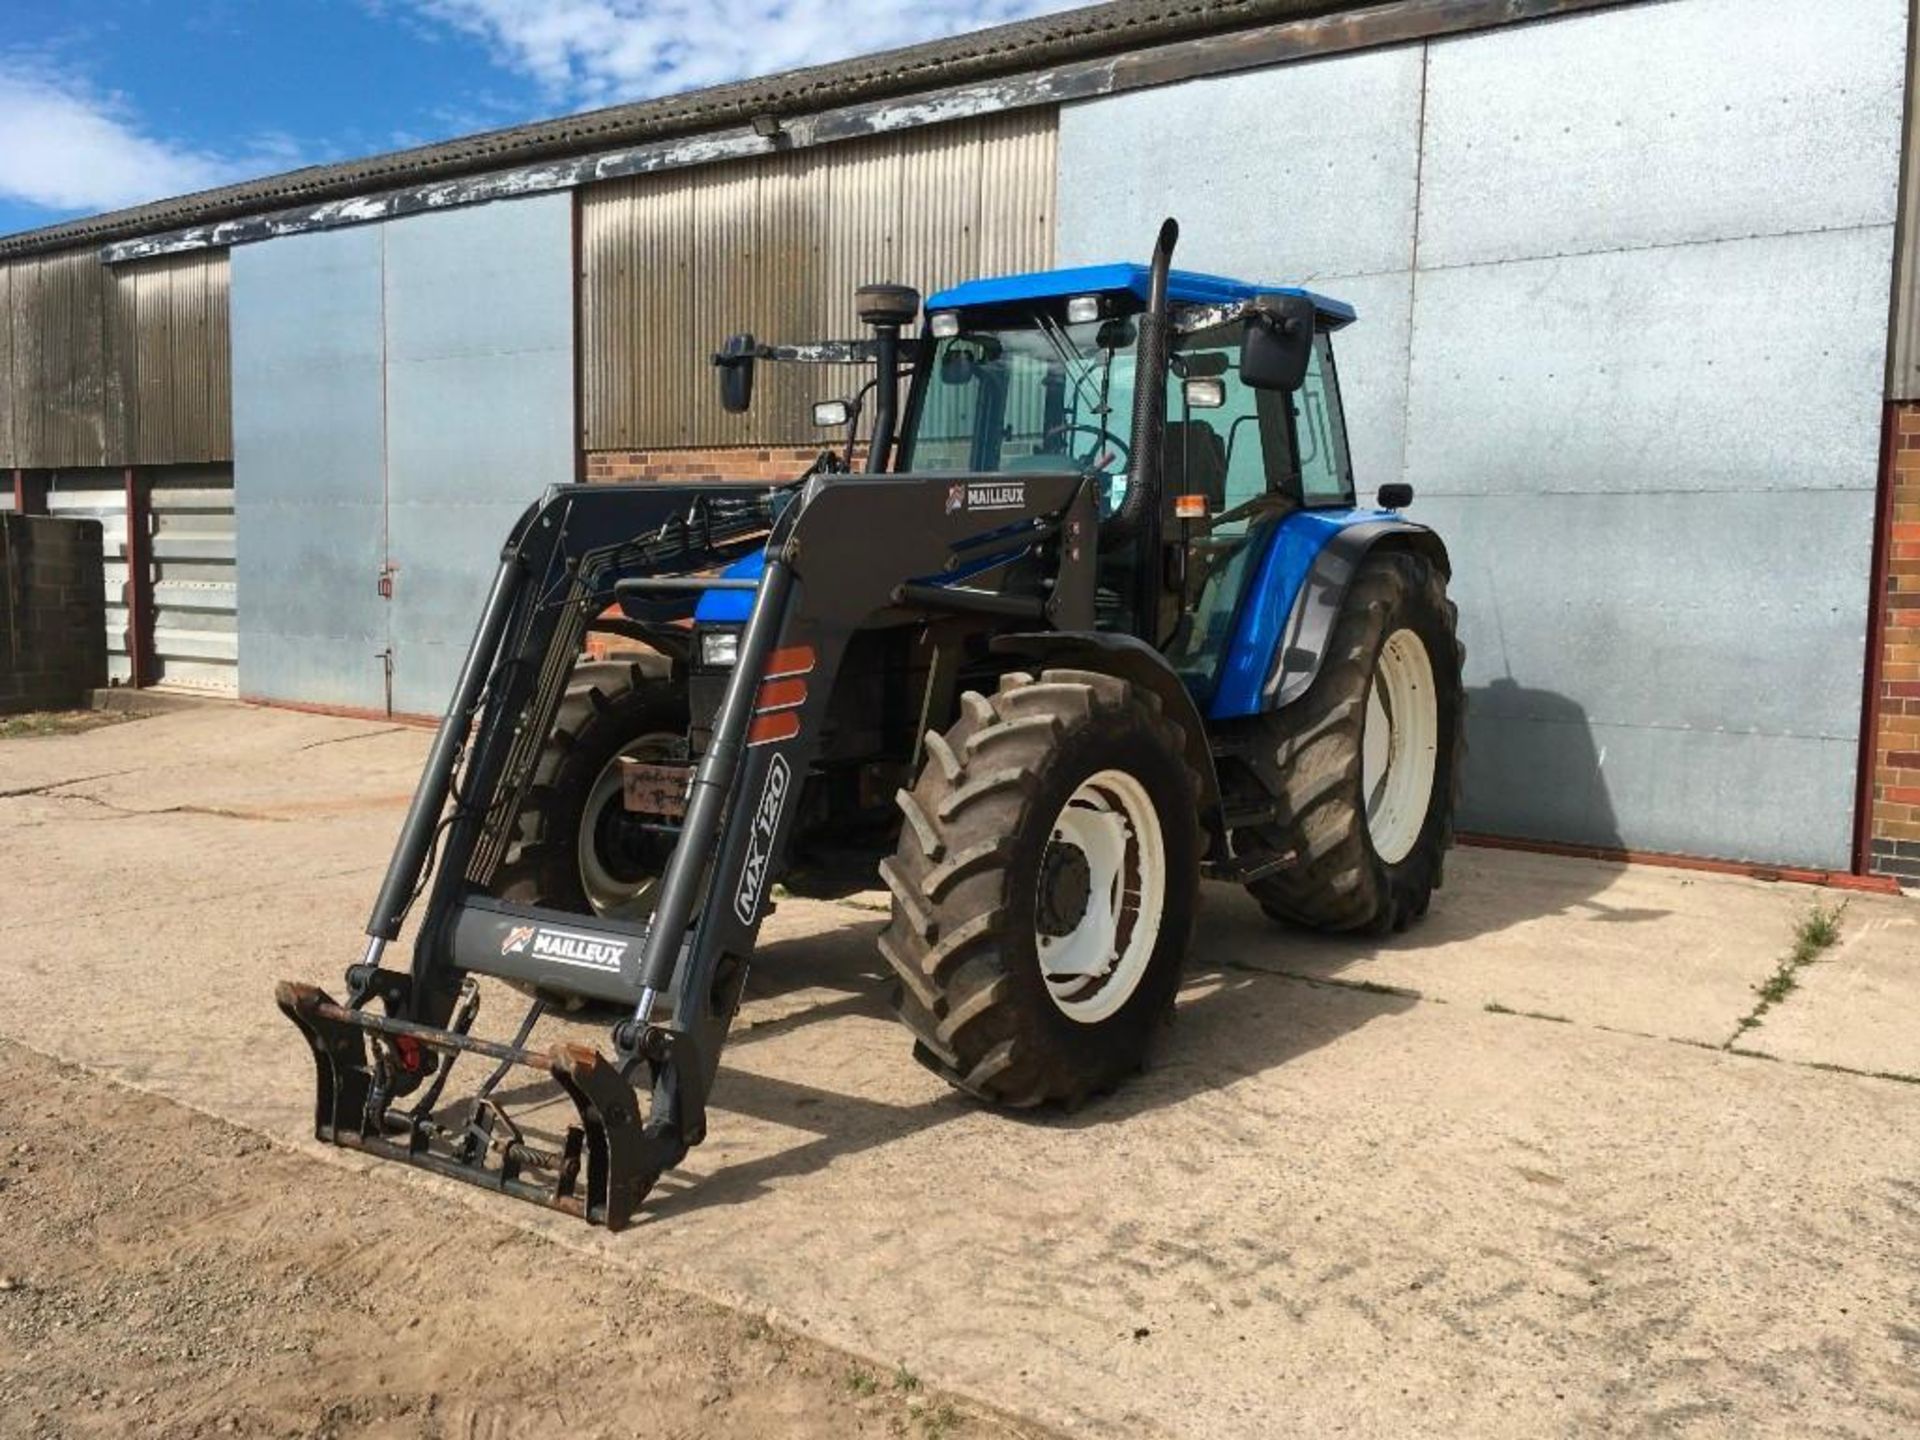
(1097, 616)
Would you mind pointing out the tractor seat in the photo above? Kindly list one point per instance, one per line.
(1196, 462)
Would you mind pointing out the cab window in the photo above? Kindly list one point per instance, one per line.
(1326, 473)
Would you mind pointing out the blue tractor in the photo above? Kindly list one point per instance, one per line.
(1095, 614)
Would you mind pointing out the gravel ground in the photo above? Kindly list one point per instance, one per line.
(157, 1277)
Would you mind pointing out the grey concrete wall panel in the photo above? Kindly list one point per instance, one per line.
(1660, 125)
(1625, 651)
(1290, 174)
(1655, 370)
(309, 465)
(1303, 174)
(479, 398)
(1636, 384)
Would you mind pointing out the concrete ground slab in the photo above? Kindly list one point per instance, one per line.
(1858, 1005)
(1327, 1208)
(1653, 951)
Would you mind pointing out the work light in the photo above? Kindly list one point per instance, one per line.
(719, 648)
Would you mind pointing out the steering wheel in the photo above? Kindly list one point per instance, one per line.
(1100, 459)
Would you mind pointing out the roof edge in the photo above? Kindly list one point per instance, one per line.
(1086, 33)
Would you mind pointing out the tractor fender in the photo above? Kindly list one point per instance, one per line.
(1316, 606)
(1134, 661)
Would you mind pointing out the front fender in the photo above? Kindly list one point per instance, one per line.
(1134, 661)
(1286, 620)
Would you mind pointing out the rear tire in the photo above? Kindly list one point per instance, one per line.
(574, 847)
(1054, 825)
(1370, 830)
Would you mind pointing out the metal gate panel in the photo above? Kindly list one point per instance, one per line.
(1570, 245)
(309, 433)
(102, 495)
(195, 640)
(479, 387)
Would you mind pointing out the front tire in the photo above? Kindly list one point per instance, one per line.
(1044, 888)
(575, 847)
(1367, 763)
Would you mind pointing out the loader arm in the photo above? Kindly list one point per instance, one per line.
(682, 971)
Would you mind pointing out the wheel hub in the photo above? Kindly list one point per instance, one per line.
(1066, 884)
(1399, 746)
(1102, 885)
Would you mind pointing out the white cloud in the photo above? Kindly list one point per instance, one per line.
(65, 148)
(597, 52)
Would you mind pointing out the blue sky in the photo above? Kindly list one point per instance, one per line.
(122, 101)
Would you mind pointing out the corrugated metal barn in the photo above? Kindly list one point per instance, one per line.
(1635, 281)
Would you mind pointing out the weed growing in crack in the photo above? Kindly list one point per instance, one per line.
(1815, 932)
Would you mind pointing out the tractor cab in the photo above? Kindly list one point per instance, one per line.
(1038, 373)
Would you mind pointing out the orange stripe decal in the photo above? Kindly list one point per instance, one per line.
(794, 660)
(769, 729)
(781, 694)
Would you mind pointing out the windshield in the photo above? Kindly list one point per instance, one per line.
(1049, 397)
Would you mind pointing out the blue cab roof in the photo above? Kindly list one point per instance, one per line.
(1184, 287)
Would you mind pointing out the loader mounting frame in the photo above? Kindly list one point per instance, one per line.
(651, 549)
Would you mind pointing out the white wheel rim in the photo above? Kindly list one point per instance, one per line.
(1093, 969)
(608, 893)
(1399, 746)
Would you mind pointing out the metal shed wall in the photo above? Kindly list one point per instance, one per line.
(1572, 245)
(104, 367)
(671, 264)
(403, 392)
(169, 342)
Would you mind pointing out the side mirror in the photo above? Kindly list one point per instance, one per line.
(735, 362)
(832, 414)
(1203, 392)
(1279, 343)
(1394, 495)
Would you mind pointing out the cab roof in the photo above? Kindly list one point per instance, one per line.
(1184, 287)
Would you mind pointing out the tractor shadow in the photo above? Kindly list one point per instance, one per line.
(1258, 995)
(1231, 1023)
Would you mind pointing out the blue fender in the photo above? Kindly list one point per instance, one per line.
(731, 607)
(1286, 617)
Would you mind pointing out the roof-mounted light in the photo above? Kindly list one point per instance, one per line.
(1083, 308)
(945, 324)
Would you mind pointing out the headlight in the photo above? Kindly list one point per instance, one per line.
(944, 324)
(719, 648)
(1083, 308)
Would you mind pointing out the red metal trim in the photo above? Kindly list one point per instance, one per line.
(139, 579)
(29, 493)
(771, 729)
(1834, 879)
(780, 694)
(793, 660)
(1876, 642)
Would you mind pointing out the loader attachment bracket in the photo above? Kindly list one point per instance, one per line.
(621, 1156)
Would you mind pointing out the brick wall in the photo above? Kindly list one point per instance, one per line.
(754, 463)
(53, 626)
(1893, 842)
